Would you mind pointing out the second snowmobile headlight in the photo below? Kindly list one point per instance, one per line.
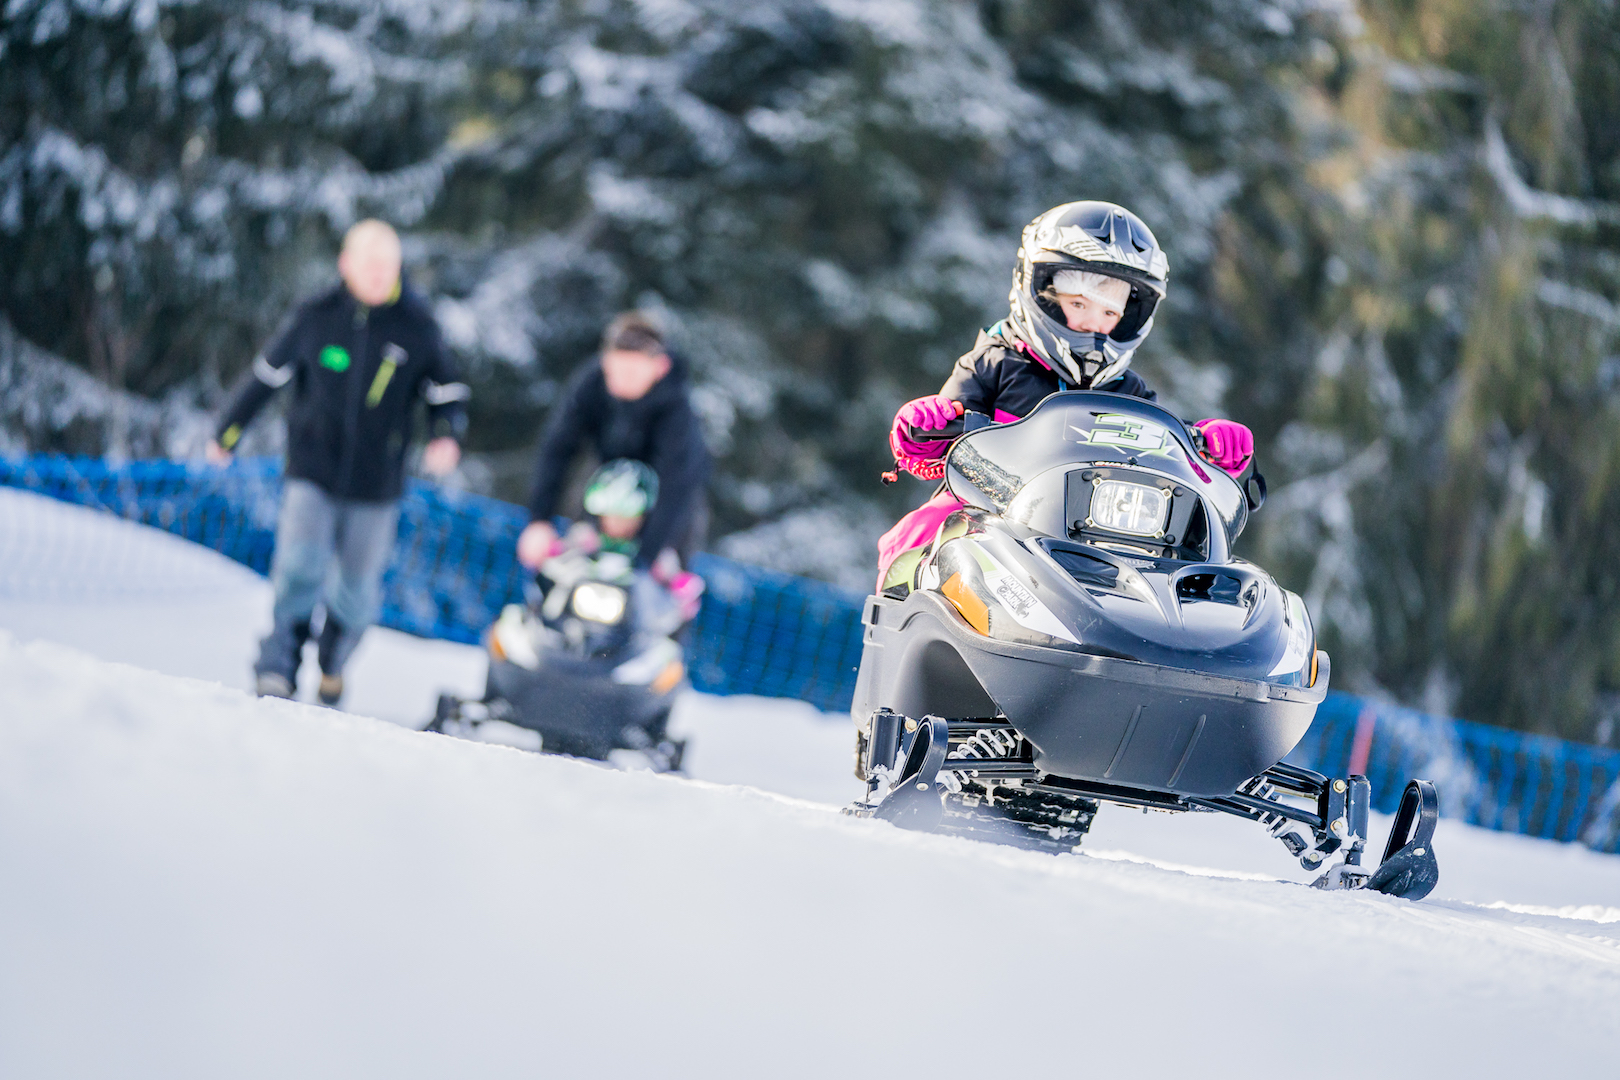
(1123, 507)
(599, 603)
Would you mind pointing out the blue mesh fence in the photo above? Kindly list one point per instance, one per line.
(1489, 776)
(454, 567)
(762, 632)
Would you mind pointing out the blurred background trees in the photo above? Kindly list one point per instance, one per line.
(1392, 230)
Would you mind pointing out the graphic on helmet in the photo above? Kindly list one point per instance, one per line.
(623, 488)
(1100, 251)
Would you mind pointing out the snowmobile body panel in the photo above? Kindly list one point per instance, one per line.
(1090, 717)
(1229, 618)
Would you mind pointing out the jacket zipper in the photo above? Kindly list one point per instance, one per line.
(351, 418)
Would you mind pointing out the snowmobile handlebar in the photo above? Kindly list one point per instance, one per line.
(966, 420)
(1251, 481)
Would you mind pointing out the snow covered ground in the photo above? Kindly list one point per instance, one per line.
(194, 883)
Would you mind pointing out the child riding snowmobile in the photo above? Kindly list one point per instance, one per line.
(1088, 280)
(592, 662)
(1065, 623)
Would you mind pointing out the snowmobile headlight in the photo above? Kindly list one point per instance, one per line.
(599, 603)
(1138, 509)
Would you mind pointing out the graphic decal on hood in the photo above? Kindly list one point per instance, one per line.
(1024, 606)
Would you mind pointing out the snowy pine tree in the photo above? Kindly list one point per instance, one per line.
(1391, 234)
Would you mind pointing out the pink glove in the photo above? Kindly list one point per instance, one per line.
(687, 589)
(930, 413)
(1228, 444)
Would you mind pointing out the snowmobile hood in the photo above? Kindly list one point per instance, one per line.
(1229, 619)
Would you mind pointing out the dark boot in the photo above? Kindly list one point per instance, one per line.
(333, 651)
(276, 673)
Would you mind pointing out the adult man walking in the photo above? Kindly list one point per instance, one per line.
(359, 357)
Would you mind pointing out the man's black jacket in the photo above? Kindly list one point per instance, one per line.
(356, 374)
(659, 429)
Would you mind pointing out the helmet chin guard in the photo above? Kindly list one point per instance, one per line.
(1105, 239)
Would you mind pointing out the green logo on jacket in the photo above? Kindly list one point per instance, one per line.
(335, 357)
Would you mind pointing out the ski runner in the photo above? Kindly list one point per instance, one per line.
(1088, 279)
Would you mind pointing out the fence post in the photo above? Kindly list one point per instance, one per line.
(1361, 746)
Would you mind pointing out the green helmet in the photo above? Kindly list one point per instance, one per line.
(622, 488)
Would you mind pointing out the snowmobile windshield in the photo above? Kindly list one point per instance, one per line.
(1022, 470)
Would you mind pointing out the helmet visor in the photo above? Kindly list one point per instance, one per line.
(1139, 304)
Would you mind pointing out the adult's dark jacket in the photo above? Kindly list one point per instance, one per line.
(659, 429)
(357, 374)
(997, 375)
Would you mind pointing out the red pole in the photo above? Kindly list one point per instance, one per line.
(1361, 745)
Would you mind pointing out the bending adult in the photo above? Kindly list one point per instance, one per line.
(359, 358)
(632, 401)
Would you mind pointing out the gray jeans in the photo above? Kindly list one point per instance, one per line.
(329, 553)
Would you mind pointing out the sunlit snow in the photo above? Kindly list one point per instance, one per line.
(200, 884)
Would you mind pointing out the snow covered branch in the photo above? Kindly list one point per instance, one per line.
(1531, 204)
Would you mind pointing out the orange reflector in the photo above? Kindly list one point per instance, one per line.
(1315, 655)
(669, 678)
(492, 642)
(971, 607)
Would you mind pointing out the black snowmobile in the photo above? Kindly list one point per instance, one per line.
(590, 662)
(1080, 632)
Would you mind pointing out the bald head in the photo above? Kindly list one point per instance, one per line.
(370, 262)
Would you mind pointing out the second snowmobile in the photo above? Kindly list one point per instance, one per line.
(590, 662)
(1081, 632)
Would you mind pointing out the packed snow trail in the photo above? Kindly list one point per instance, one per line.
(200, 884)
(122, 591)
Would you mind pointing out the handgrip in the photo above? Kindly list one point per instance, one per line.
(950, 431)
(1250, 480)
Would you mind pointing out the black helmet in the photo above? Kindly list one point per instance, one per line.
(1102, 238)
(621, 488)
